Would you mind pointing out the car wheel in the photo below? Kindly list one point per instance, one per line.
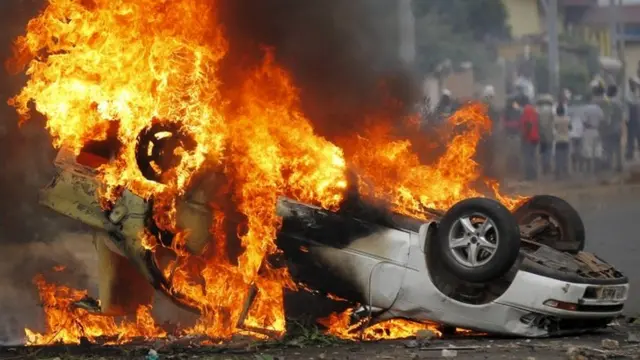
(157, 148)
(479, 239)
(567, 233)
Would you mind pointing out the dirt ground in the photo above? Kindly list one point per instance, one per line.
(619, 342)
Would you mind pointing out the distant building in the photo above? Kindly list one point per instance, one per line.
(576, 13)
(527, 19)
(528, 22)
(629, 14)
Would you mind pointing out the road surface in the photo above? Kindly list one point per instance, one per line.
(613, 344)
(613, 232)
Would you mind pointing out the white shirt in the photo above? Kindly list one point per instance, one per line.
(577, 126)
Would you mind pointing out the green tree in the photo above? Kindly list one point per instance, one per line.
(454, 30)
(574, 76)
(478, 18)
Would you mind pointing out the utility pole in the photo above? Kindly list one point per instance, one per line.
(613, 28)
(551, 14)
(407, 30)
(622, 48)
(616, 30)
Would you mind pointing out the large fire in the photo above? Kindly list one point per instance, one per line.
(70, 326)
(93, 63)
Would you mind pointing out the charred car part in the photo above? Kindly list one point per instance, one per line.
(476, 266)
(157, 148)
(552, 221)
(436, 271)
(124, 260)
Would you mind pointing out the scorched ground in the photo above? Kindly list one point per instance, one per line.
(105, 72)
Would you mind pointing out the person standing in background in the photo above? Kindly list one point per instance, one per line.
(633, 119)
(488, 94)
(576, 130)
(601, 162)
(423, 108)
(445, 107)
(565, 98)
(513, 137)
(530, 125)
(593, 118)
(613, 132)
(546, 118)
(488, 144)
(561, 128)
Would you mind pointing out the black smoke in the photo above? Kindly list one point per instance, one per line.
(343, 56)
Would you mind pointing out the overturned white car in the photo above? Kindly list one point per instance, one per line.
(478, 266)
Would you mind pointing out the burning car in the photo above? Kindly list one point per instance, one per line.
(476, 266)
(175, 149)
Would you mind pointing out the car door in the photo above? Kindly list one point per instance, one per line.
(338, 253)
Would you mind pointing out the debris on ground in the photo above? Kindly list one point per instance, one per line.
(152, 355)
(587, 353)
(579, 353)
(411, 344)
(610, 344)
(618, 343)
(446, 353)
(425, 335)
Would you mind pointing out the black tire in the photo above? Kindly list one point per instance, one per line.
(505, 233)
(572, 235)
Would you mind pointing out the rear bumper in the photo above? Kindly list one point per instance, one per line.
(571, 277)
(563, 299)
(521, 310)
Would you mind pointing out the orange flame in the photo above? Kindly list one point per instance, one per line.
(69, 325)
(95, 63)
(339, 325)
(395, 172)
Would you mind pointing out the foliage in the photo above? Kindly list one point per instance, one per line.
(455, 29)
(585, 50)
(478, 18)
(309, 336)
(578, 63)
(574, 75)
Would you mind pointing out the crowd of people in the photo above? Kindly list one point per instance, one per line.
(547, 137)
